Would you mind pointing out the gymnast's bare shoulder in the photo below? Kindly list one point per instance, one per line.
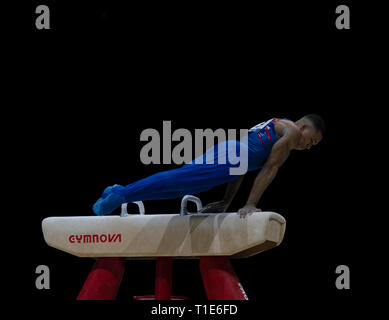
(287, 129)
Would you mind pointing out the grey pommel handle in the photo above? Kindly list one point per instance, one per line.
(184, 201)
(141, 207)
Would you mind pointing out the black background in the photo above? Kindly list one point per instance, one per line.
(86, 89)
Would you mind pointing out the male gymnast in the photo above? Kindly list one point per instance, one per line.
(268, 147)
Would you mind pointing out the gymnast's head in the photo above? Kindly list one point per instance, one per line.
(312, 128)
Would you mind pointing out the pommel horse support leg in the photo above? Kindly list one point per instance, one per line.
(214, 238)
(220, 280)
(104, 280)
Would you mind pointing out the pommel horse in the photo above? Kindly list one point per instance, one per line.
(214, 239)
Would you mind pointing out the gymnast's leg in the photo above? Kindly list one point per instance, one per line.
(189, 179)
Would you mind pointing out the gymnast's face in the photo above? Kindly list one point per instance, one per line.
(309, 137)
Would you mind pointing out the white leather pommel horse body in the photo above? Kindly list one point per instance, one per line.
(184, 235)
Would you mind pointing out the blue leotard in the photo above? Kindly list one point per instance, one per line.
(193, 178)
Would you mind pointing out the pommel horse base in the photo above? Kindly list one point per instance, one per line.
(214, 239)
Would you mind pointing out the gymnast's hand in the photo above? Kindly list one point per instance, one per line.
(215, 207)
(247, 210)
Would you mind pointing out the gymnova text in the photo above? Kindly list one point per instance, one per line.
(95, 238)
(182, 153)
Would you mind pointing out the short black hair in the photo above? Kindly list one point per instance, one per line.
(318, 122)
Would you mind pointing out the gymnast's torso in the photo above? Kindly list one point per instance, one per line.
(261, 139)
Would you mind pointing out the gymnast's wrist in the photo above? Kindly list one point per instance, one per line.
(226, 202)
(250, 204)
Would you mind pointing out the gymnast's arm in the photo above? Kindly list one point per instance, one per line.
(279, 153)
(232, 189)
(222, 206)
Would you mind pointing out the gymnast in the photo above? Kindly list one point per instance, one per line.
(268, 146)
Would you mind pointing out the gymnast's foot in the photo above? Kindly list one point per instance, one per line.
(108, 190)
(108, 204)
